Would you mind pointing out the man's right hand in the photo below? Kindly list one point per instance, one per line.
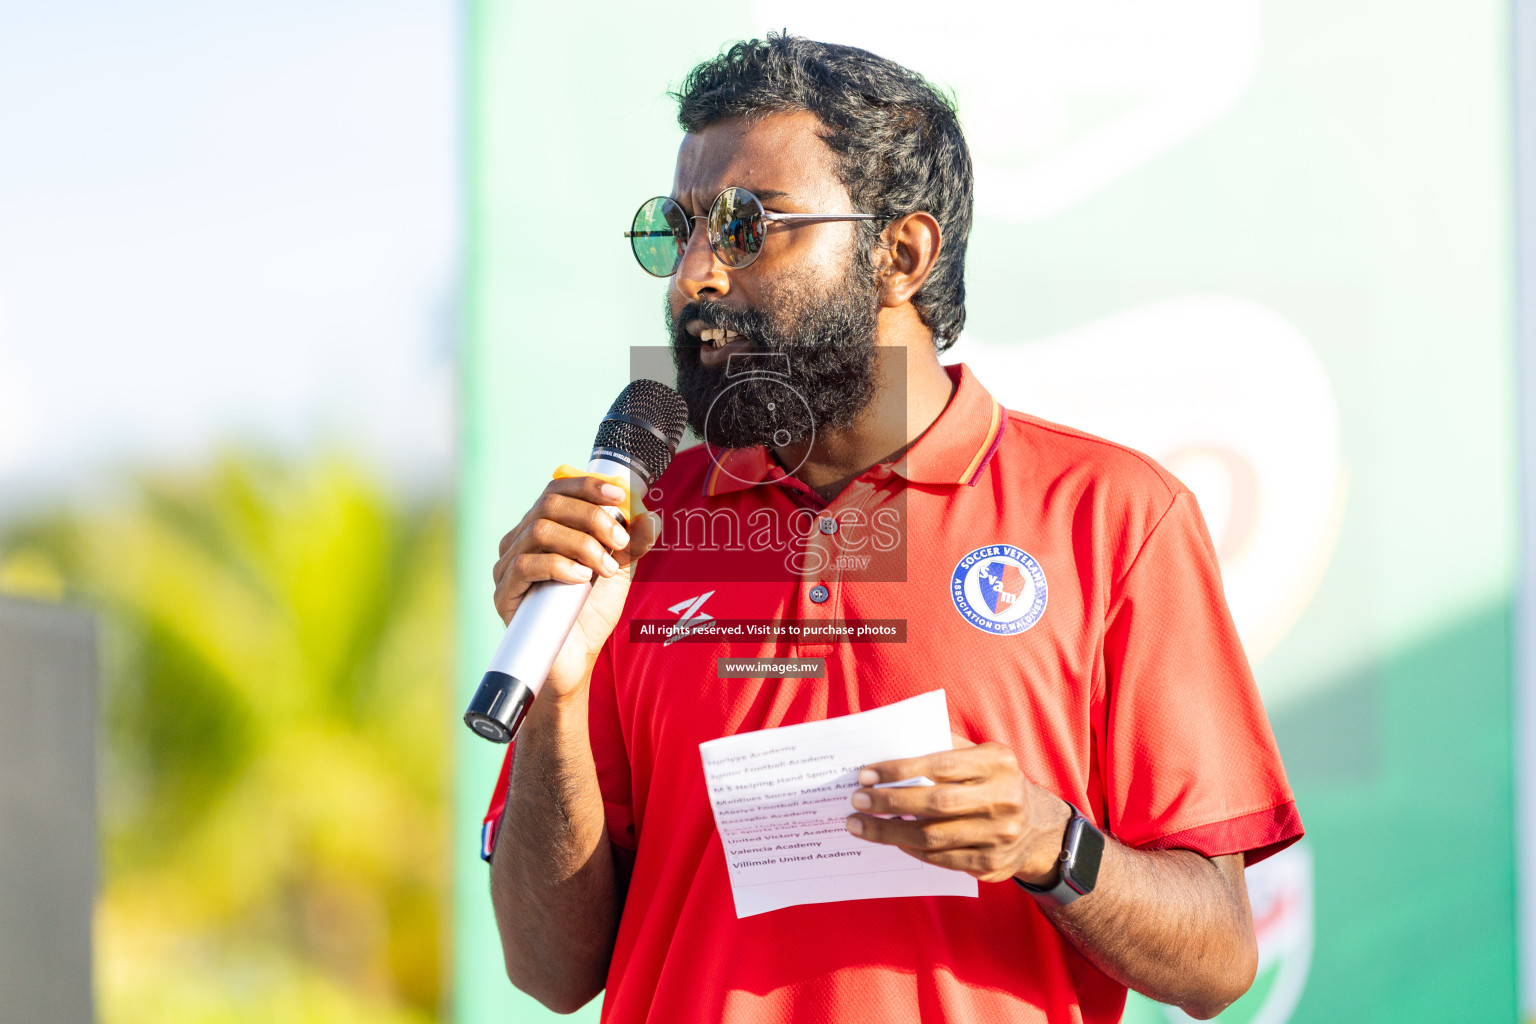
(569, 536)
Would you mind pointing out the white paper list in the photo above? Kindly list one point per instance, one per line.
(781, 800)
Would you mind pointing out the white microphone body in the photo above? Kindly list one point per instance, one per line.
(532, 641)
(547, 613)
(635, 442)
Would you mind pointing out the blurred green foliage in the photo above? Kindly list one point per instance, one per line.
(274, 790)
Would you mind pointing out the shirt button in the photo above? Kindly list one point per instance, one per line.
(819, 594)
(829, 526)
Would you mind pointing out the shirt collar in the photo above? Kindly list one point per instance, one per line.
(953, 450)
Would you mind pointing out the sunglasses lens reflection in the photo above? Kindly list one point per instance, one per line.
(736, 227)
(659, 235)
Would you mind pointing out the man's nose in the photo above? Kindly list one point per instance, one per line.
(700, 274)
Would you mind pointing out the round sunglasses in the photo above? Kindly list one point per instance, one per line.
(736, 225)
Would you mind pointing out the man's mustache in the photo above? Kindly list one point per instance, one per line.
(716, 315)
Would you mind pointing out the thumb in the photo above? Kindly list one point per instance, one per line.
(644, 531)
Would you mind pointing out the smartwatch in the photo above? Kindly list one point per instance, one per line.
(1081, 852)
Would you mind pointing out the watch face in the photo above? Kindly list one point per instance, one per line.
(1087, 846)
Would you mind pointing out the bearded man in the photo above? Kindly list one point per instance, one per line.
(1112, 769)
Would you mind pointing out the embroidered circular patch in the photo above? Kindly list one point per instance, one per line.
(999, 588)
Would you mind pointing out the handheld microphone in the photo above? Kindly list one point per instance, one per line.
(635, 442)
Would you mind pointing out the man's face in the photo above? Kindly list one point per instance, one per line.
(809, 294)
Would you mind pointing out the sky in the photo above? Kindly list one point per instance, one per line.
(226, 224)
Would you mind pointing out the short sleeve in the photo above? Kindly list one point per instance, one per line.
(608, 753)
(1190, 760)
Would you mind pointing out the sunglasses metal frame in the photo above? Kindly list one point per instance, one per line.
(714, 247)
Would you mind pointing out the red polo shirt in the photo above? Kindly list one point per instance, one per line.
(1061, 589)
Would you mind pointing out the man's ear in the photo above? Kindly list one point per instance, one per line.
(905, 254)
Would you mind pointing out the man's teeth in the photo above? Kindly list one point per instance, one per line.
(717, 336)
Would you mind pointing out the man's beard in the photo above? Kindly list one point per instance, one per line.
(829, 339)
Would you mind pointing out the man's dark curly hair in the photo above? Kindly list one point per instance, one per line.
(897, 139)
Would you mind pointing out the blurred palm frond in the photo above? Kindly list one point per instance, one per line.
(274, 787)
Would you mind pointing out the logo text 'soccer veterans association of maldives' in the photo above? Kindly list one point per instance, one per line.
(999, 588)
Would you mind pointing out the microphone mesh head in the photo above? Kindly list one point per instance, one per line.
(655, 405)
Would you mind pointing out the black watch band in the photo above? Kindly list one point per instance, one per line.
(1081, 852)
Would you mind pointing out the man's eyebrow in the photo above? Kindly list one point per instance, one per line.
(766, 195)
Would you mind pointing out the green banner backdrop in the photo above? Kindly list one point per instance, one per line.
(1268, 244)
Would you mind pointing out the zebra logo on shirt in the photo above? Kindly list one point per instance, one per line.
(690, 617)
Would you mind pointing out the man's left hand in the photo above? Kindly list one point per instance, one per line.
(981, 816)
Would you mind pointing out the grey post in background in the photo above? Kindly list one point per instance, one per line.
(48, 731)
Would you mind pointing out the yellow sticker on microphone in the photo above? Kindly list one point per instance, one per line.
(631, 506)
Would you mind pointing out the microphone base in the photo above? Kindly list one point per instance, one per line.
(499, 707)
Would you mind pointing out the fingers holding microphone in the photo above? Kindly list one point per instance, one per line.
(569, 536)
(563, 573)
